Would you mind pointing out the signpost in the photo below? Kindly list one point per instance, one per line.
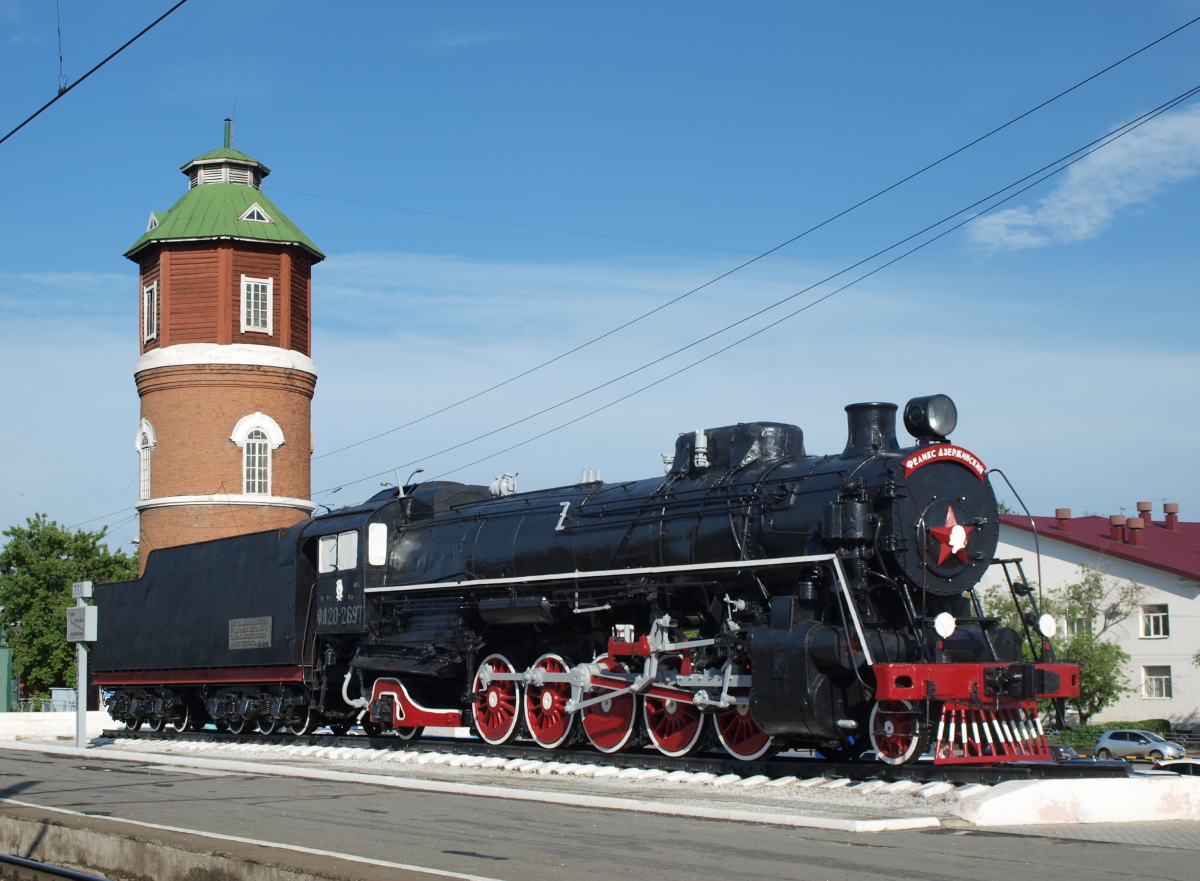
(81, 628)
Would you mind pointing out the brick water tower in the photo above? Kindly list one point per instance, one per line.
(225, 374)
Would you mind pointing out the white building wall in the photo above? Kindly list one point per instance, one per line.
(1060, 564)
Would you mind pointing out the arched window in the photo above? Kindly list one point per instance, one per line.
(144, 443)
(258, 435)
(257, 459)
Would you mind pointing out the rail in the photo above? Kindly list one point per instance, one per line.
(783, 765)
(21, 869)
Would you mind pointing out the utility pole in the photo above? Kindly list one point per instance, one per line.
(81, 629)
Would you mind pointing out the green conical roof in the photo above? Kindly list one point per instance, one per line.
(215, 210)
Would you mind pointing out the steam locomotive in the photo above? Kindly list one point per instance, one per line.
(755, 596)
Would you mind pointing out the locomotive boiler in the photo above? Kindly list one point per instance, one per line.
(754, 597)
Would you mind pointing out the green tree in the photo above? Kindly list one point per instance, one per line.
(1092, 606)
(38, 564)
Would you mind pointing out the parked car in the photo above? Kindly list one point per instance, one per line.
(1189, 767)
(1139, 744)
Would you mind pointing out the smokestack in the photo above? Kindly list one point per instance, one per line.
(1135, 526)
(872, 427)
(1171, 509)
(1145, 512)
(1063, 515)
(1116, 527)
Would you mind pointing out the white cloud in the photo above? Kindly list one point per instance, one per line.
(1130, 171)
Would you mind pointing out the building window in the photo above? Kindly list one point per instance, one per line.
(1156, 682)
(144, 443)
(257, 295)
(1155, 622)
(149, 312)
(255, 213)
(1078, 627)
(258, 435)
(256, 455)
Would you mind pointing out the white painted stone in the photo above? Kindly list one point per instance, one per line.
(969, 789)
(837, 784)
(934, 789)
(569, 769)
(812, 781)
(493, 762)
(782, 781)
(404, 757)
(651, 774)
(868, 786)
(900, 786)
(513, 764)
(1116, 800)
(702, 777)
(679, 776)
(529, 766)
(606, 771)
(586, 770)
(549, 767)
(756, 780)
(629, 773)
(726, 779)
(475, 761)
(443, 758)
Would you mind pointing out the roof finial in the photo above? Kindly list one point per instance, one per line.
(228, 133)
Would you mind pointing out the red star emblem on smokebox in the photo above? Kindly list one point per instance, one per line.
(952, 538)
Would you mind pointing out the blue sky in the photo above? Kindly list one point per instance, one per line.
(497, 183)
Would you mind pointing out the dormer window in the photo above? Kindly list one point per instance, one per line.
(224, 173)
(152, 223)
(255, 213)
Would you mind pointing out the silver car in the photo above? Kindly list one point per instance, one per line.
(1140, 744)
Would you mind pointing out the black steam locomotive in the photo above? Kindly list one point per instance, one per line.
(754, 594)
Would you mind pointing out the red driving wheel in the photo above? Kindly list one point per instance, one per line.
(496, 707)
(896, 732)
(546, 705)
(674, 727)
(609, 724)
(736, 728)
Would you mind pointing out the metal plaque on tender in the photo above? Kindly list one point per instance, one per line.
(81, 624)
(250, 633)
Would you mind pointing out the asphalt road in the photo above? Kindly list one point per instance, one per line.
(522, 841)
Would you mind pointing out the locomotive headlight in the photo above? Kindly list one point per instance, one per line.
(1047, 626)
(933, 417)
(944, 624)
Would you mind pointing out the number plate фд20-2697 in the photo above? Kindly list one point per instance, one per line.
(250, 633)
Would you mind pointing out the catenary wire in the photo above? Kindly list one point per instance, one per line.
(1062, 163)
(63, 90)
(756, 258)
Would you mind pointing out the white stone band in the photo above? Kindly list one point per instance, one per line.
(225, 499)
(235, 354)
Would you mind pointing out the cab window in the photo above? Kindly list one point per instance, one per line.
(337, 552)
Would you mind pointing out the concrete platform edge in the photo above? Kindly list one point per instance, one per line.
(1124, 800)
(888, 824)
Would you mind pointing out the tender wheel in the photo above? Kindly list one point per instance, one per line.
(239, 725)
(269, 726)
(496, 709)
(407, 734)
(610, 724)
(737, 730)
(675, 728)
(1156, 754)
(306, 725)
(1103, 754)
(158, 724)
(545, 705)
(896, 732)
(183, 722)
(133, 724)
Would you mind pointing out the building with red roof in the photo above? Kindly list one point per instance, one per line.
(1162, 634)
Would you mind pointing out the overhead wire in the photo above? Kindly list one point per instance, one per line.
(760, 256)
(1053, 168)
(62, 91)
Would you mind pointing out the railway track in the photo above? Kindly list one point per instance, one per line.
(782, 765)
(13, 868)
